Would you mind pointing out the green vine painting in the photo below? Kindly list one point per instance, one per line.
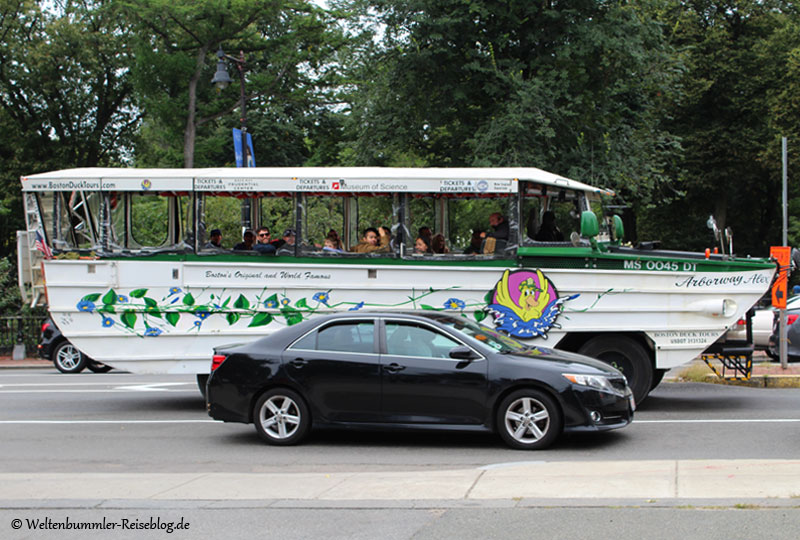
(141, 313)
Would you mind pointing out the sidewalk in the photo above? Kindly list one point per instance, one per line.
(766, 374)
(650, 482)
(6, 362)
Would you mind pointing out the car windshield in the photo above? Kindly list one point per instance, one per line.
(485, 336)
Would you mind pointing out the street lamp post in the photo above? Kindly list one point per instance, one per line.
(221, 80)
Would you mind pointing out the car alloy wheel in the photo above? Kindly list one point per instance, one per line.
(281, 417)
(68, 359)
(528, 419)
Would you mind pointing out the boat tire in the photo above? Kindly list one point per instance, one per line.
(628, 356)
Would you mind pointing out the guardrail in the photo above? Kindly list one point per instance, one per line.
(16, 329)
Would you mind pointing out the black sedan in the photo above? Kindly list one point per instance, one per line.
(64, 355)
(412, 371)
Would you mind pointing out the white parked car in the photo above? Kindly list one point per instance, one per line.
(762, 325)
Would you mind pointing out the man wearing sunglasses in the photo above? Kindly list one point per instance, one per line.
(263, 244)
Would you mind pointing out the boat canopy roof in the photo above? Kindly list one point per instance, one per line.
(302, 179)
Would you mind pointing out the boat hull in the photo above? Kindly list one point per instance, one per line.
(152, 316)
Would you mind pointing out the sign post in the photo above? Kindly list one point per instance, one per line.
(780, 291)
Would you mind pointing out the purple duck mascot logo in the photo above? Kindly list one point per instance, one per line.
(525, 304)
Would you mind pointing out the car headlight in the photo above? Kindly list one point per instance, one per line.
(597, 382)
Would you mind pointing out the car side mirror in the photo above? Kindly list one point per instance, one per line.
(462, 352)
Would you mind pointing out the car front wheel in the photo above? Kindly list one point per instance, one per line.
(528, 420)
(68, 359)
(281, 417)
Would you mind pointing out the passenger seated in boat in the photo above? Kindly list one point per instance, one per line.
(330, 246)
(549, 231)
(421, 246)
(499, 227)
(214, 239)
(248, 240)
(372, 242)
(263, 244)
(474, 247)
(286, 244)
(438, 244)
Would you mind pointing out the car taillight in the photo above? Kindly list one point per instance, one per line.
(217, 361)
(741, 322)
(791, 318)
(45, 326)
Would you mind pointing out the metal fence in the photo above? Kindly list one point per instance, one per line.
(15, 330)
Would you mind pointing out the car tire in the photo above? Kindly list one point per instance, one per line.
(626, 355)
(202, 379)
(281, 417)
(97, 367)
(528, 420)
(68, 359)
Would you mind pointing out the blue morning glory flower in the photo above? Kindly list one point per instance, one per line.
(454, 303)
(321, 297)
(152, 332)
(202, 315)
(198, 324)
(122, 299)
(356, 307)
(270, 304)
(85, 305)
(174, 290)
(285, 301)
(107, 322)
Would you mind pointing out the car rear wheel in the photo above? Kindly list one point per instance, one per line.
(68, 359)
(528, 420)
(97, 367)
(281, 417)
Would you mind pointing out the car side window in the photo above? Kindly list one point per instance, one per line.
(409, 339)
(357, 337)
(306, 343)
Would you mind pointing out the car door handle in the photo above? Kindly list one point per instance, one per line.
(298, 363)
(394, 368)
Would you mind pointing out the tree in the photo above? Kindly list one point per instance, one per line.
(575, 87)
(288, 48)
(736, 55)
(65, 93)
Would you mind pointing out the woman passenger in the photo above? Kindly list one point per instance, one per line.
(421, 245)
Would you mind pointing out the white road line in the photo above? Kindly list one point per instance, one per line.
(3, 422)
(90, 391)
(726, 421)
(721, 421)
(107, 383)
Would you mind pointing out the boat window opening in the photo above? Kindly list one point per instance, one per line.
(421, 213)
(568, 215)
(225, 214)
(184, 228)
(372, 211)
(149, 214)
(531, 217)
(471, 214)
(276, 212)
(72, 219)
(118, 230)
(322, 214)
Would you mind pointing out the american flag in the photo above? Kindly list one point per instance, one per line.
(42, 246)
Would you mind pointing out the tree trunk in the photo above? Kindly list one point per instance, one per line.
(190, 134)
